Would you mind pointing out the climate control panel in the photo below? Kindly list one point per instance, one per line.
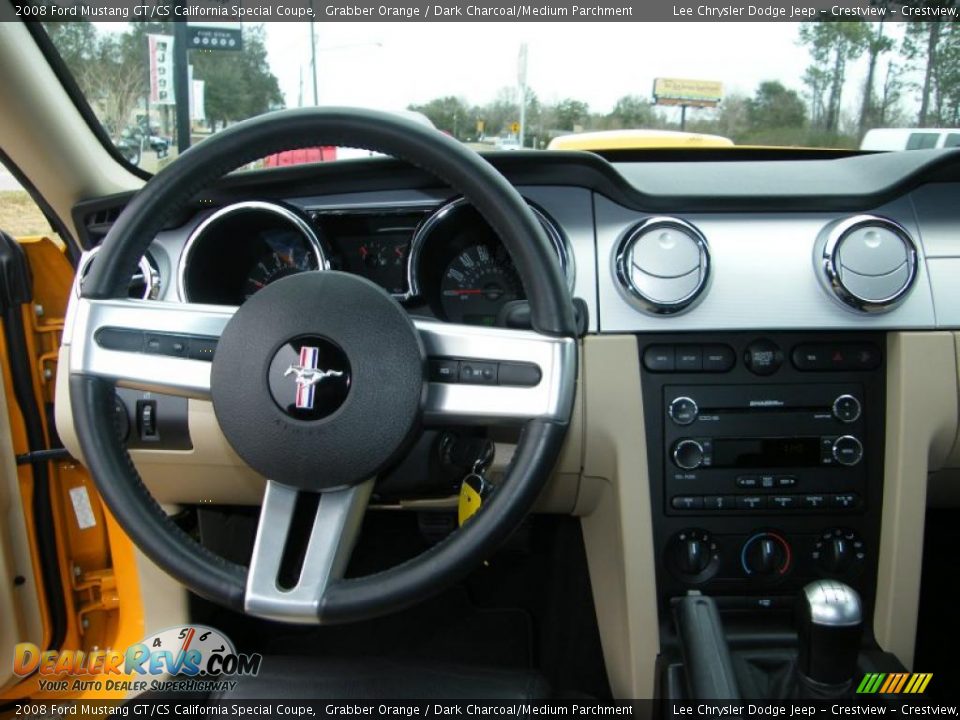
(764, 556)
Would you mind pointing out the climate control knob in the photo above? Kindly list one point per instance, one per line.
(688, 454)
(847, 450)
(693, 555)
(766, 554)
(839, 552)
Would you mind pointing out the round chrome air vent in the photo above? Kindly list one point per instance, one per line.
(868, 262)
(145, 284)
(662, 265)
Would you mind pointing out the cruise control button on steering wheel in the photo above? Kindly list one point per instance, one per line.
(317, 380)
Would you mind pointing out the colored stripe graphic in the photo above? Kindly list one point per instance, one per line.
(305, 392)
(894, 683)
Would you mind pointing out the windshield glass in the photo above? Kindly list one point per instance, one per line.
(594, 86)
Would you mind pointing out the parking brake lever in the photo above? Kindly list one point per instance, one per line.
(706, 657)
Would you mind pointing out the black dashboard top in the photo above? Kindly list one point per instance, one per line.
(656, 180)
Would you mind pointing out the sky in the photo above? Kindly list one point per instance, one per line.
(390, 65)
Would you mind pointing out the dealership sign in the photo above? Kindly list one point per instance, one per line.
(160, 48)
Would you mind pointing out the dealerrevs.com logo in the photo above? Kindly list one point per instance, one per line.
(186, 653)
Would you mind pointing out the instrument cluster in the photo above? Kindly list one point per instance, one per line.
(443, 261)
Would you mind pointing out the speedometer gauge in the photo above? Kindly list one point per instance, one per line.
(477, 283)
(275, 265)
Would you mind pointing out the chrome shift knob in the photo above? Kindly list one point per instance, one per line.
(831, 625)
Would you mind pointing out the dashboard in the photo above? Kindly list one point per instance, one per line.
(646, 245)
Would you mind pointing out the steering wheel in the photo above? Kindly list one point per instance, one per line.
(345, 343)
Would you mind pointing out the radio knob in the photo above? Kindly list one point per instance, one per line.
(688, 454)
(846, 408)
(683, 410)
(847, 450)
(765, 554)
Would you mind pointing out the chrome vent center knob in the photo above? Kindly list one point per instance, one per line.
(869, 263)
(662, 265)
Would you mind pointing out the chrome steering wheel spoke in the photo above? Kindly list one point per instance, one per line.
(337, 519)
(112, 339)
(495, 400)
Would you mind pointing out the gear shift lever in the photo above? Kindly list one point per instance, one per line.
(831, 624)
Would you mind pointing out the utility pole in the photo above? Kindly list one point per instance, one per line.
(522, 82)
(181, 85)
(313, 62)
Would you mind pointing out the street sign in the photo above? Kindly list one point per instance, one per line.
(514, 127)
(693, 93)
(214, 36)
(480, 125)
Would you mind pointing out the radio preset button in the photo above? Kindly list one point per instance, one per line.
(847, 450)
(688, 454)
(847, 501)
(687, 502)
(784, 502)
(814, 502)
(751, 502)
(846, 408)
(719, 502)
(683, 410)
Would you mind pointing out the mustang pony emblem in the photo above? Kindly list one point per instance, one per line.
(307, 375)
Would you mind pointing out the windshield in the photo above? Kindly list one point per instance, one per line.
(158, 87)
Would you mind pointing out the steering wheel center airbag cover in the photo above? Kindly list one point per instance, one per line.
(321, 437)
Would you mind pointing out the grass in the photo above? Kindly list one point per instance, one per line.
(19, 214)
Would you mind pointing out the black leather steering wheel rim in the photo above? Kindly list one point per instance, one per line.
(466, 172)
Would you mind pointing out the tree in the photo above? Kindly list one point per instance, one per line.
(76, 41)
(832, 44)
(500, 112)
(732, 117)
(930, 47)
(877, 44)
(569, 114)
(114, 83)
(774, 106)
(450, 114)
(632, 111)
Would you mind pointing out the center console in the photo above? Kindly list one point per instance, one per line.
(766, 471)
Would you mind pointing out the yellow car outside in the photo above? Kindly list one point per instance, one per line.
(636, 139)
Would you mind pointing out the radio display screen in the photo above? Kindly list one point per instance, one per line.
(766, 452)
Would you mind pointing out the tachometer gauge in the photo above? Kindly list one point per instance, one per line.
(275, 265)
(479, 281)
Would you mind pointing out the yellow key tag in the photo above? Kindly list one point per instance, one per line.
(471, 497)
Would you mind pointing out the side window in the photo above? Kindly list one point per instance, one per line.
(19, 214)
(922, 141)
(953, 140)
